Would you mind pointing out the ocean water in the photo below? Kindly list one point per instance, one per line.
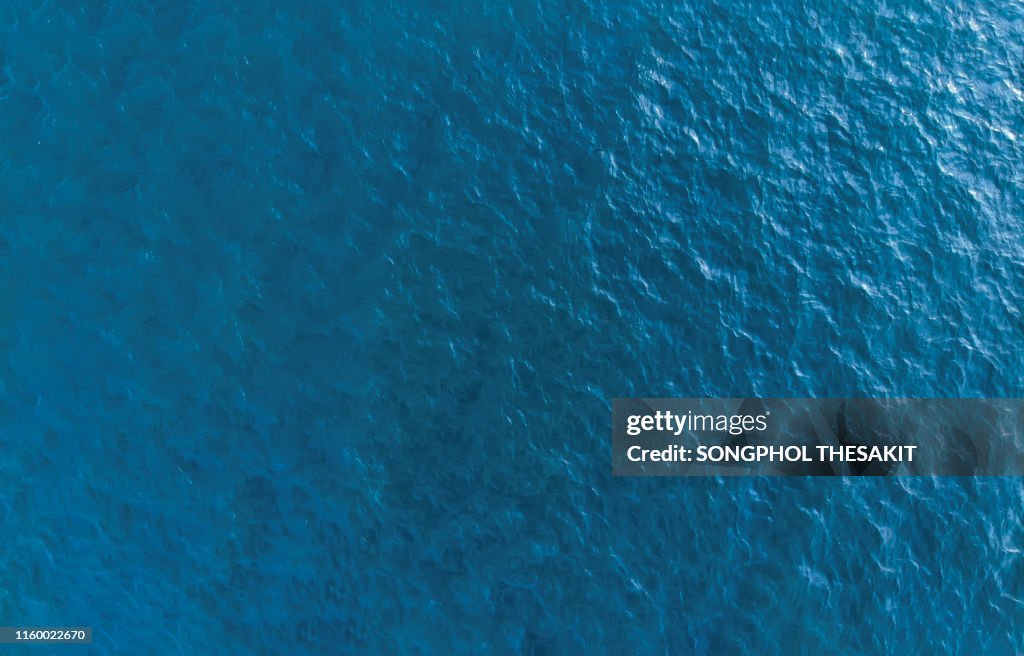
(313, 312)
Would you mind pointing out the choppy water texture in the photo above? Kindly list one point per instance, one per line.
(313, 311)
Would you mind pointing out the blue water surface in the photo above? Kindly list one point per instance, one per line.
(313, 312)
